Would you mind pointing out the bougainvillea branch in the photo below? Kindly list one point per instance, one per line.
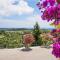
(51, 10)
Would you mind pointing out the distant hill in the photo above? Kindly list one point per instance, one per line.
(15, 29)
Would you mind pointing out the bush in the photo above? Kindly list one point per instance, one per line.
(10, 40)
(28, 39)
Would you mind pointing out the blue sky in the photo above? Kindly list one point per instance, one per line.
(20, 14)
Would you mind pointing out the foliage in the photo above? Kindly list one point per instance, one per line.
(36, 33)
(14, 39)
(10, 40)
(45, 39)
(28, 39)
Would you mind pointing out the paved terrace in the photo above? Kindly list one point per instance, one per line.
(37, 53)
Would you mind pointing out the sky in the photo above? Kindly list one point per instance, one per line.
(20, 14)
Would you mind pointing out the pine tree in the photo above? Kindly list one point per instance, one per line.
(36, 33)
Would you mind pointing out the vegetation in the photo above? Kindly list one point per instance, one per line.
(36, 33)
(10, 39)
(45, 39)
(14, 38)
(28, 39)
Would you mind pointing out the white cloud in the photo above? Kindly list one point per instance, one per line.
(7, 7)
(42, 24)
(29, 22)
(15, 24)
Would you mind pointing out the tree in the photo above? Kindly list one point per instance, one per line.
(36, 33)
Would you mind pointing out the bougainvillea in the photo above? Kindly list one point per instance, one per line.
(51, 10)
(55, 31)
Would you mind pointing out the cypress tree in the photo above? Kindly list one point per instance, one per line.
(36, 33)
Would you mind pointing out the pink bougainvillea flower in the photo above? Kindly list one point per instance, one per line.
(48, 14)
(58, 11)
(51, 10)
(53, 31)
(44, 4)
(47, 0)
(52, 2)
(56, 22)
(58, 30)
(39, 5)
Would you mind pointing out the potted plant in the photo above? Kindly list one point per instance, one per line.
(28, 39)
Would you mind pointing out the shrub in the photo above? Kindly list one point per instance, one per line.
(28, 39)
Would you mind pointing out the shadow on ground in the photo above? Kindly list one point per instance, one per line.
(26, 50)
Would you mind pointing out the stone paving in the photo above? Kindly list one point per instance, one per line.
(37, 53)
